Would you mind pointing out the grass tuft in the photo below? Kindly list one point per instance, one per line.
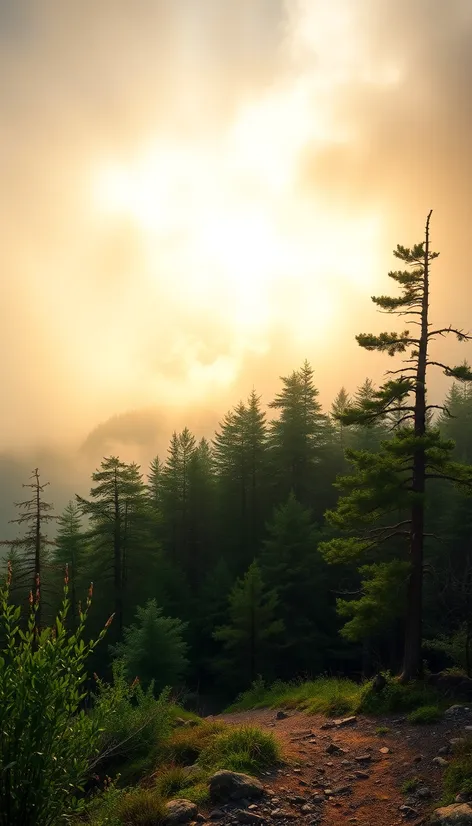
(381, 730)
(185, 745)
(425, 715)
(243, 749)
(411, 785)
(458, 775)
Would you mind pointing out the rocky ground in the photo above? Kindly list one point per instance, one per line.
(347, 773)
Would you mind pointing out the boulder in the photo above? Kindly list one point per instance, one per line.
(458, 814)
(226, 785)
(180, 811)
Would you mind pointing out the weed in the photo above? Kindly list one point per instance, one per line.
(245, 748)
(411, 785)
(381, 730)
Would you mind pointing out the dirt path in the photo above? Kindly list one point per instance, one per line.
(349, 774)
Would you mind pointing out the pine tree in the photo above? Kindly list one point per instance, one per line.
(338, 408)
(175, 489)
(292, 566)
(240, 451)
(298, 437)
(69, 551)
(29, 554)
(395, 479)
(253, 631)
(154, 483)
(115, 509)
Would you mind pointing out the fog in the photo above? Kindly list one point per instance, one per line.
(198, 195)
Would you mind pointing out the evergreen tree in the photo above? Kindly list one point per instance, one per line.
(115, 510)
(175, 491)
(154, 483)
(395, 479)
(29, 554)
(338, 408)
(299, 437)
(153, 648)
(69, 551)
(241, 462)
(294, 569)
(252, 633)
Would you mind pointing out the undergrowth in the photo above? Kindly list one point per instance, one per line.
(458, 775)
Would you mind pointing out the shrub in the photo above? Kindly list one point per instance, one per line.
(396, 697)
(243, 748)
(425, 715)
(381, 730)
(458, 775)
(47, 744)
(131, 720)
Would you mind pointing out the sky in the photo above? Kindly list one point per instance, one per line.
(197, 195)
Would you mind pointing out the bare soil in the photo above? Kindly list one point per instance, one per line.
(360, 784)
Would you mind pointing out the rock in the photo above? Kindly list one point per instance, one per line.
(342, 790)
(378, 683)
(444, 750)
(362, 775)
(458, 814)
(346, 721)
(246, 816)
(455, 712)
(408, 811)
(384, 750)
(363, 758)
(329, 724)
(226, 785)
(423, 792)
(334, 749)
(281, 715)
(180, 811)
(418, 758)
(440, 761)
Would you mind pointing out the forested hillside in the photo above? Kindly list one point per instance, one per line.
(225, 537)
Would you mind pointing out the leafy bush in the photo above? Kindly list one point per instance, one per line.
(425, 715)
(46, 743)
(396, 697)
(131, 720)
(242, 748)
(154, 650)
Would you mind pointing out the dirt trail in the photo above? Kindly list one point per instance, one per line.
(364, 770)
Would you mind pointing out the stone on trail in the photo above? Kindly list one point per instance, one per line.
(226, 785)
(180, 811)
(281, 715)
(458, 814)
(346, 721)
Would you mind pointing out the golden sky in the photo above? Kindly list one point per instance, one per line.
(197, 195)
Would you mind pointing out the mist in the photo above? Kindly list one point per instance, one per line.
(197, 196)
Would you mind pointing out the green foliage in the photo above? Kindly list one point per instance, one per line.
(425, 715)
(47, 743)
(381, 604)
(243, 748)
(457, 778)
(396, 697)
(153, 649)
(410, 786)
(382, 730)
(128, 807)
(254, 631)
(186, 744)
(325, 695)
(456, 646)
(133, 723)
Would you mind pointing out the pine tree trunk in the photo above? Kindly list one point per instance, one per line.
(118, 574)
(412, 662)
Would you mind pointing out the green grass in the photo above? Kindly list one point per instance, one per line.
(425, 715)
(185, 745)
(128, 807)
(411, 785)
(381, 730)
(243, 748)
(397, 697)
(458, 775)
(324, 695)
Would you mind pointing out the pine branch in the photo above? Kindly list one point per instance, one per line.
(461, 336)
